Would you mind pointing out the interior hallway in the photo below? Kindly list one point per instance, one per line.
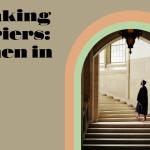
(112, 67)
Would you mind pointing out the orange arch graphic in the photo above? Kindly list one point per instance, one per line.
(76, 49)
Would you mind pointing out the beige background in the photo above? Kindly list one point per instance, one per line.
(32, 90)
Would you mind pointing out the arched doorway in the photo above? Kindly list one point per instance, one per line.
(90, 76)
(97, 31)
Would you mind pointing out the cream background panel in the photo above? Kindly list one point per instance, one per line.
(32, 91)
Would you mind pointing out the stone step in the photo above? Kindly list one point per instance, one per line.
(117, 135)
(118, 130)
(116, 141)
(119, 115)
(116, 108)
(116, 146)
(131, 119)
(105, 98)
(111, 97)
(117, 111)
(120, 125)
(116, 115)
(109, 100)
(113, 105)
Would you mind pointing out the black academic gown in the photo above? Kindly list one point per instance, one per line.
(142, 101)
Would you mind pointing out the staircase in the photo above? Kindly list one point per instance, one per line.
(117, 128)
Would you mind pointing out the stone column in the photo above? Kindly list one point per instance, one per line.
(95, 85)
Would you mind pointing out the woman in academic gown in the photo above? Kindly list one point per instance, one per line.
(142, 101)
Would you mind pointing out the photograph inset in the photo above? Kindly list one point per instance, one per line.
(115, 91)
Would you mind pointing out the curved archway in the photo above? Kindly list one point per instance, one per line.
(115, 35)
(79, 51)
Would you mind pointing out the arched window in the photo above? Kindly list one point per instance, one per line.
(118, 51)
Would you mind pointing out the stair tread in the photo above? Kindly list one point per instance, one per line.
(148, 122)
(119, 133)
(132, 125)
(117, 110)
(115, 115)
(130, 117)
(121, 139)
(115, 106)
(114, 102)
(117, 122)
(118, 119)
(122, 128)
(115, 145)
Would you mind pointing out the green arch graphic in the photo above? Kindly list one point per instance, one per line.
(79, 65)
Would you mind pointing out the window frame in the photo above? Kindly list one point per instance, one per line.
(125, 58)
(102, 63)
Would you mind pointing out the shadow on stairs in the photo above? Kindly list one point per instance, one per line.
(117, 128)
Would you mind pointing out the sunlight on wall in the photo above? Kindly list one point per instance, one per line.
(114, 81)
